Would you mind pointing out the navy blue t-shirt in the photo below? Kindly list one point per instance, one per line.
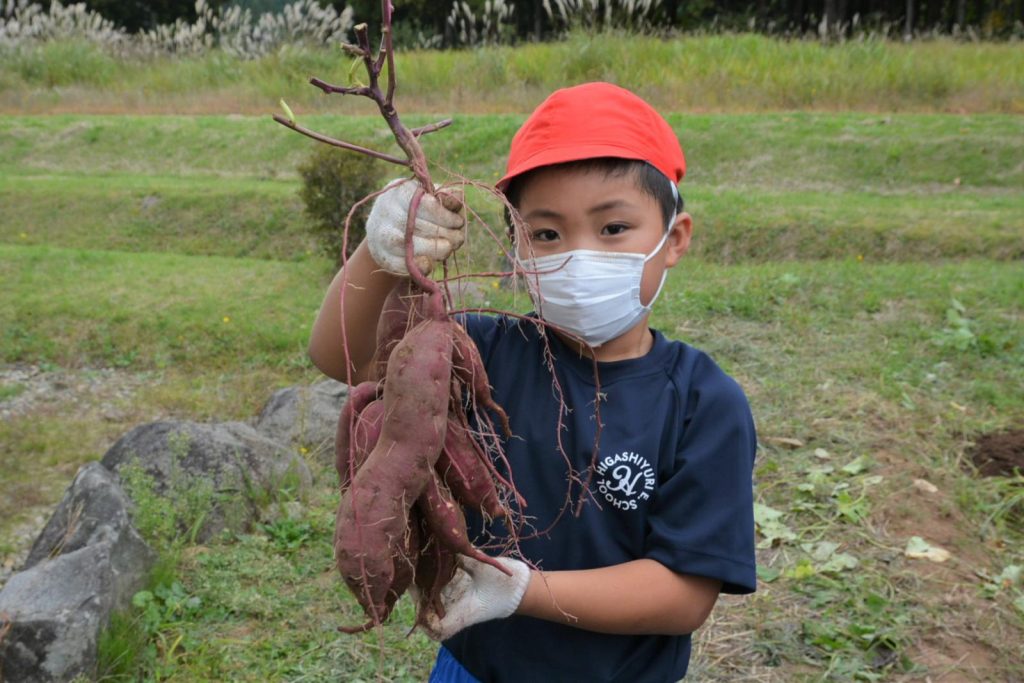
(673, 484)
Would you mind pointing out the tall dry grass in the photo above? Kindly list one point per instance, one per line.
(713, 73)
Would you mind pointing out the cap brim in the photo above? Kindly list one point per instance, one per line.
(564, 154)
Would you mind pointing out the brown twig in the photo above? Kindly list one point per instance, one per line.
(406, 139)
(339, 143)
(339, 89)
(423, 130)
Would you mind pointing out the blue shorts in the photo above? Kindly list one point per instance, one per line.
(448, 670)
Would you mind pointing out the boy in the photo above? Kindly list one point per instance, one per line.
(617, 590)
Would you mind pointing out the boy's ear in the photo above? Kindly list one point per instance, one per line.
(678, 242)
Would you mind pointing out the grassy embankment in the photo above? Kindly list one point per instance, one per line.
(829, 250)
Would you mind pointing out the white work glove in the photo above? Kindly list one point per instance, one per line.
(478, 592)
(438, 231)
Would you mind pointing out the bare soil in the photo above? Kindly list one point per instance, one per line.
(961, 641)
(999, 454)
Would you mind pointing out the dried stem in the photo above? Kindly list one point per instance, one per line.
(406, 139)
(340, 89)
(423, 130)
(340, 143)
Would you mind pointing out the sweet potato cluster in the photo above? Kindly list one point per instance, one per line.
(408, 460)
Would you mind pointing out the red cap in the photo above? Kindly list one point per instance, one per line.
(590, 121)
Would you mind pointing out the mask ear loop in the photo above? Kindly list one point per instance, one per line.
(668, 229)
(677, 199)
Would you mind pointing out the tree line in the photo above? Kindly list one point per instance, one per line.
(539, 20)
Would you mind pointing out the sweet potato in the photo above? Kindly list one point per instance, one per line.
(358, 398)
(406, 565)
(405, 453)
(365, 432)
(461, 466)
(373, 515)
(446, 522)
(404, 308)
(434, 569)
(469, 367)
(369, 424)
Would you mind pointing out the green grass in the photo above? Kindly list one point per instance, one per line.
(263, 606)
(239, 218)
(829, 252)
(155, 310)
(768, 187)
(731, 72)
(845, 356)
(891, 154)
(9, 391)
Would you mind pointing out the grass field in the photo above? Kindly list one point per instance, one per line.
(762, 187)
(859, 273)
(695, 73)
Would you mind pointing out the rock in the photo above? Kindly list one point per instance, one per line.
(305, 416)
(55, 612)
(226, 471)
(88, 561)
(95, 509)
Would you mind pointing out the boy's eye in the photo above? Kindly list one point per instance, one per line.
(544, 235)
(615, 229)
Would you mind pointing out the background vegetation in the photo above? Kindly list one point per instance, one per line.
(507, 20)
(856, 265)
(722, 73)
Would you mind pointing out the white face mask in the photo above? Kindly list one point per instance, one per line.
(593, 294)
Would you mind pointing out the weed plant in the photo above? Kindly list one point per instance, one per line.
(139, 641)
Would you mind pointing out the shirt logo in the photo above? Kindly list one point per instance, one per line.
(626, 479)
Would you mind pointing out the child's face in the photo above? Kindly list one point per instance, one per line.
(568, 209)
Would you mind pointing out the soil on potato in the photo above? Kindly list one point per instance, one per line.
(999, 454)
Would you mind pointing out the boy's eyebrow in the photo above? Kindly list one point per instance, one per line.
(610, 204)
(541, 213)
(603, 206)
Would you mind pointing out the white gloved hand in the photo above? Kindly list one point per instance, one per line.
(437, 234)
(478, 592)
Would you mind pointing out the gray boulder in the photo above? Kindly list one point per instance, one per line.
(226, 471)
(305, 416)
(54, 612)
(88, 561)
(94, 509)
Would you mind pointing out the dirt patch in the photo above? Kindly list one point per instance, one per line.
(31, 389)
(971, 662)
(999, 454)
(955, 646)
